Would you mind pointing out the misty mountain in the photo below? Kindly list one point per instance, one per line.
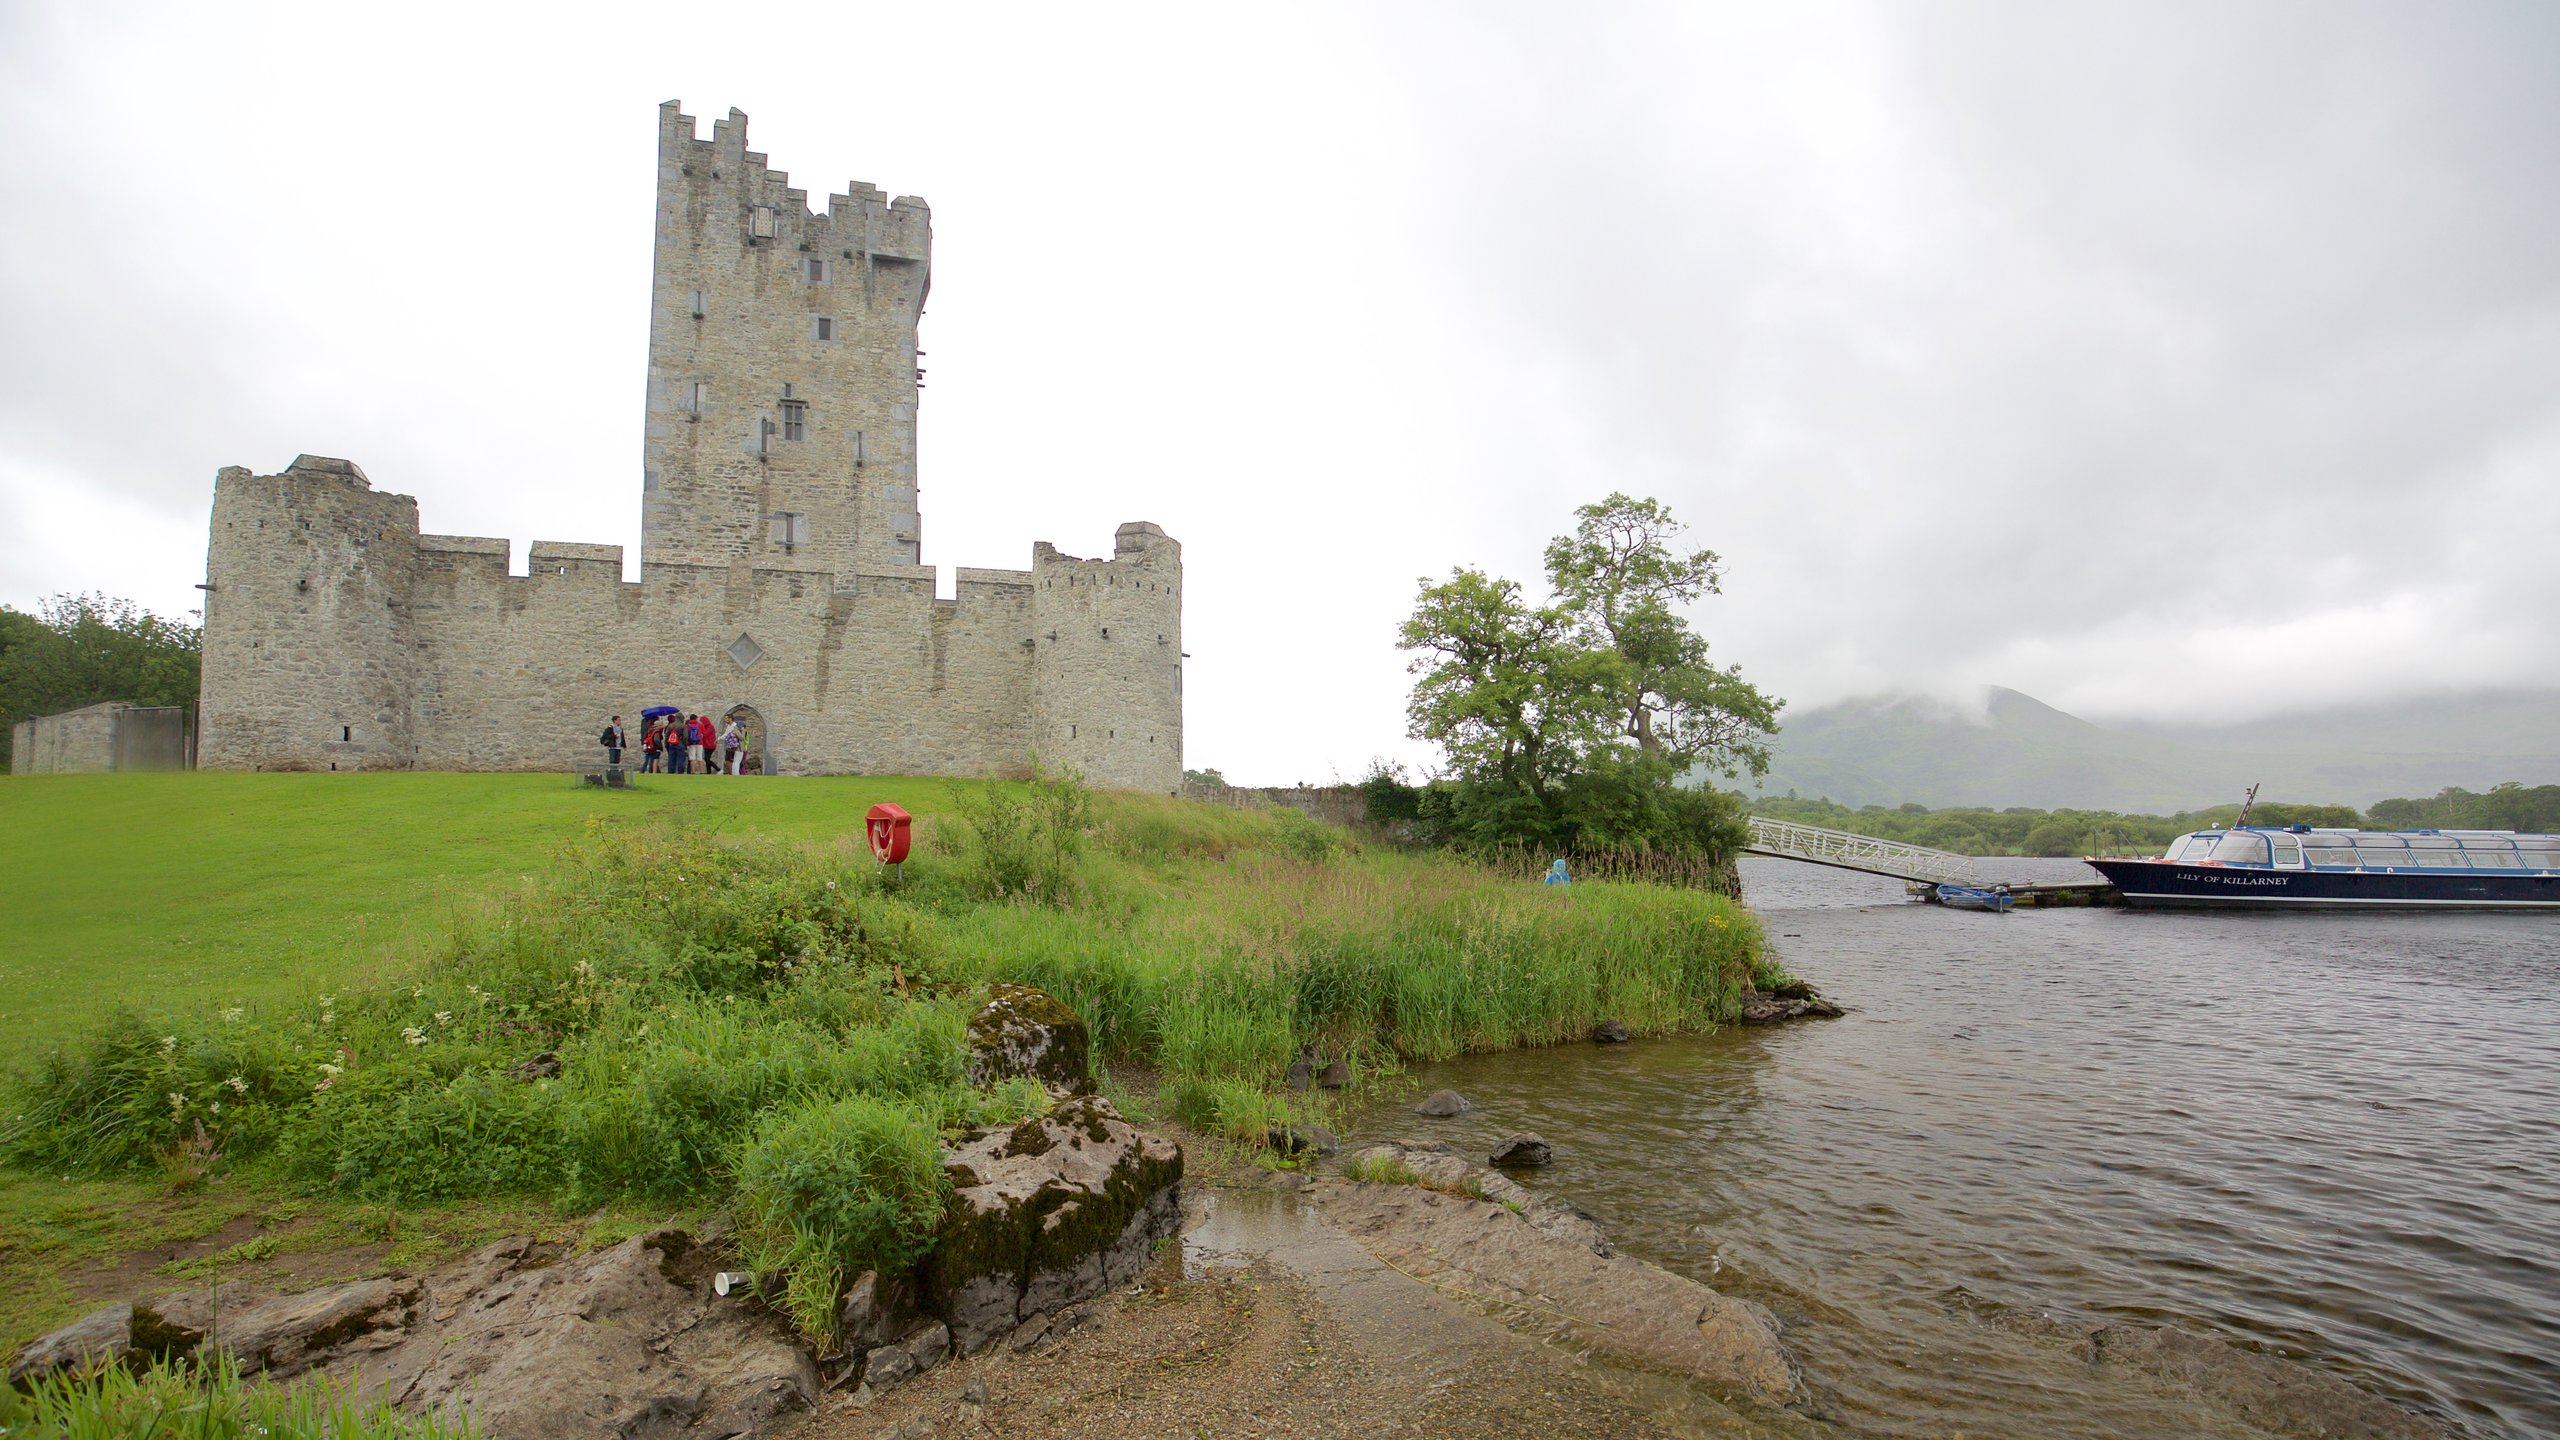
(2017, 750)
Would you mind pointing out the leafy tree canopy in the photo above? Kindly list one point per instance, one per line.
(1568, 721)
(80, 650)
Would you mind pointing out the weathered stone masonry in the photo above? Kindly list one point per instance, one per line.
(778, 563)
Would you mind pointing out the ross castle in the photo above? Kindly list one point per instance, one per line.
(780, 578)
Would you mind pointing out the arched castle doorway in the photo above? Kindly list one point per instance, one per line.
(755, 757)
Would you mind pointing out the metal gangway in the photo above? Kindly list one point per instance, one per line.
(1859, 852)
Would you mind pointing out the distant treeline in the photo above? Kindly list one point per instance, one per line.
(2022, 831)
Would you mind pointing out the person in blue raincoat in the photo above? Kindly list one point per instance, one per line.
(1556, 873)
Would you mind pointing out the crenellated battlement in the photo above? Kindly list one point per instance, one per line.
(861, 222)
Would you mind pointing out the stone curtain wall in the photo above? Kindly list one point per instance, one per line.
(1344, 805)
(713, 476)
(336, 638)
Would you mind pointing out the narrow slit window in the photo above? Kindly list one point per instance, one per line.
(697, 396)
(822, 327)
(701, 303)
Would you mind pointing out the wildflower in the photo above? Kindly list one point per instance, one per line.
(177, 1104)
(231, 1015)
(413, 1034)
(831, 884)
(217, 1107)
(168, 1045)
(332, 1071)
(444, 1017)
(239, 1086)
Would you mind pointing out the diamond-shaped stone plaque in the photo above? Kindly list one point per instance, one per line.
(745, 651)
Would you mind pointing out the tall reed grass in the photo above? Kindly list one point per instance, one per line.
(182, 1402)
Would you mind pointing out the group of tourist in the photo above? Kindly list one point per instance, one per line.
(680, 744)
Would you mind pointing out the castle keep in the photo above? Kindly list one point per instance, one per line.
(779, 566)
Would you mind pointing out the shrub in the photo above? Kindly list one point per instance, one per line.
(1024, 840)
(830, 1188)
(400, 1131)
(1303, 837)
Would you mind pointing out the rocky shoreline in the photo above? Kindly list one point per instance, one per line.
(1405, 1288)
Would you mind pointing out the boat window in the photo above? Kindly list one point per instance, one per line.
(2441, 859)
(2331, 857)
(2492, 859)
(2383, 854)
(2543, 859)
(2242, 847)
(2193, 847)
(2433, 842)
(2500, 846)
(2288, 850)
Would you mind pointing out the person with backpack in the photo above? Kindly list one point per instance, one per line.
(692, 734)
(611, 740)
(731, 738)
(653, 747)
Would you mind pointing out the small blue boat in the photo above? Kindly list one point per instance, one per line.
(1997, 899)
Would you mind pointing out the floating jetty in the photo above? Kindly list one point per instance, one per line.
(1918, 866)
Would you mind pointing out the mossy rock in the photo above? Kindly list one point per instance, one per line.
(1047, 1213)
(1026, 1031)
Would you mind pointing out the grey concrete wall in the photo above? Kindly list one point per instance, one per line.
(151, 737)
(100, 738)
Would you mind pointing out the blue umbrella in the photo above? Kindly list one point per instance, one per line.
(654, 711)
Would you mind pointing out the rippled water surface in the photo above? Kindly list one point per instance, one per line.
(2335, 1138)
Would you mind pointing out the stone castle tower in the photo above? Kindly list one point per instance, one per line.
(780, 576)
(782, 364)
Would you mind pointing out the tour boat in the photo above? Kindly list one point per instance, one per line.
(2292, 866)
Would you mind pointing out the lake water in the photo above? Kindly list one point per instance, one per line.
(2333, 1138)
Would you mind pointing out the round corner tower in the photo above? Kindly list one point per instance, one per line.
(307, 661)
(1106, 695)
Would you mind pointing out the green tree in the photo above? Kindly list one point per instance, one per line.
(83, 649)
(1570, 722)
(1619, 578)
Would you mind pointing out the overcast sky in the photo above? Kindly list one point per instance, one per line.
(2139, 357)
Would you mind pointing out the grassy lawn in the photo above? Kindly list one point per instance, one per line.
(291, 1023)
(177, 891)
